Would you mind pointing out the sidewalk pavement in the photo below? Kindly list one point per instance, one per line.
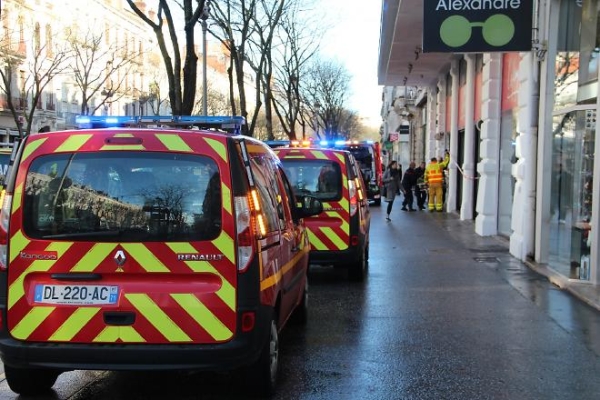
(465, 231)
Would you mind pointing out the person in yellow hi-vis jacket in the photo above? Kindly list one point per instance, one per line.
(434, 177)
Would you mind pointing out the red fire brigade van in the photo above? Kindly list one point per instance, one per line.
(148, 248)
(340, 234)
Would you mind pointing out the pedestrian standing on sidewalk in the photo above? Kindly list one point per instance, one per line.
(391, 180)
(409, 182)
(434, 177)
(421, 188)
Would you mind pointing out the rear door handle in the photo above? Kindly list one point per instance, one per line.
(119, 318)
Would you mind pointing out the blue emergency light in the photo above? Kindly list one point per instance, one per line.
(231, 124)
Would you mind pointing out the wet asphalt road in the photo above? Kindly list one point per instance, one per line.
(443, 314)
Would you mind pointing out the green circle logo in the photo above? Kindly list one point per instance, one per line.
(498, 30)
(455, 31)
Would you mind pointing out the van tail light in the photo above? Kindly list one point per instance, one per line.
(245, 234)
(4, 218)
(353, 197)
(250, 223)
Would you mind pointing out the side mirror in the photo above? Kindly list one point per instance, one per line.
(307, 206)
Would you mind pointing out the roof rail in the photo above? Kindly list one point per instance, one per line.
(231, 124)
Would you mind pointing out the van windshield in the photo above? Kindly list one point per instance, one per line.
(123, 196)
(319, 178)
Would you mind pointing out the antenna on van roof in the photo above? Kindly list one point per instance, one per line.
(231, 124)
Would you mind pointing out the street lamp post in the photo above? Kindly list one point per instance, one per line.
(203, 18)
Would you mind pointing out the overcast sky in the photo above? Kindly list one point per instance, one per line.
(354, 40)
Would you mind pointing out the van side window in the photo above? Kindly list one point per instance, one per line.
(291, 199)
(266, 186)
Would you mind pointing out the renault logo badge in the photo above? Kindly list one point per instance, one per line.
(120, 259)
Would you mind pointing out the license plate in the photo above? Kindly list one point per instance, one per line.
(76, 294)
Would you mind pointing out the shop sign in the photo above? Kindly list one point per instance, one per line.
(404, 129)
(393, 137)
(477, 26)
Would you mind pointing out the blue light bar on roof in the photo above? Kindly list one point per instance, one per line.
(231, 124)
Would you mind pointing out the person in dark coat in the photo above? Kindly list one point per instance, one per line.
(421, 188)
(391, 180)
(409, 181)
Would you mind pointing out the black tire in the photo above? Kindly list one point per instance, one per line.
(30, 382)
(357, 270)
(262, 375)
(377, 203)
(300, 315)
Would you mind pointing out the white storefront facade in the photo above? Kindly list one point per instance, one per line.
(520, 127)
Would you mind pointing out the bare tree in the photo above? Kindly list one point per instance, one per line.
(297, 47)
(327, 85)
(24, 82)
(267, 19)
(182, 89)
(234, 24)
(99, 72)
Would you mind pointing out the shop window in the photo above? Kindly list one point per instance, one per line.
(567, 56)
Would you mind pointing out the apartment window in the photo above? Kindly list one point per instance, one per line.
(49, 44)
(37, 41)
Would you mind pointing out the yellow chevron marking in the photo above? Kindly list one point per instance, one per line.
(319, 155)
(157, 317)
(145, 257)
(32, 146)
(225, 243)
(111, 334)
(74, 324)
(226, 292)
(315, 242)
(218, 147)
(275, 278)
(18, 243)
(17, 198)
(345, 204)
(93, 257)
(173, 142)
(226, 198)
(73, 143)
(340, 157)
(30, 322)
(203, 316)
(331, 235)
(344, 225)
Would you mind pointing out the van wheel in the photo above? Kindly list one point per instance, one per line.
(262, 375)
(377, 203)
(356, 272)
(30, 381)
(300, 316)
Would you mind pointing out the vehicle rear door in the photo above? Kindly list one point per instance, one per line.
(122, 238)
(322, 174)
